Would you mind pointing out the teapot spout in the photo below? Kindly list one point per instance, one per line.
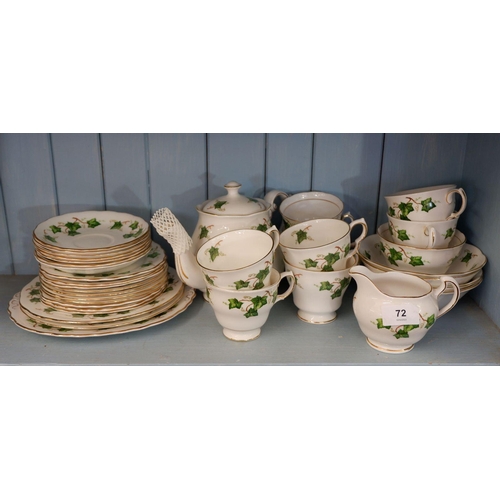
(169, 227)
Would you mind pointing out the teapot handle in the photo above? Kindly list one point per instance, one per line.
(456, 294)
(461, 192)
(272, 195)
(357, 241)
(291, 285)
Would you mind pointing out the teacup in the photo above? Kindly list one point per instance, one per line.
(318, 296)
(242, 313)
(426, 204)
(321, 244)
(239, 259)
(435, 234)
(422, 260)
(311, 205)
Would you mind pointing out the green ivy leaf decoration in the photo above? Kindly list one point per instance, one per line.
(49, 310)
(467, 258)
(153, 254)
(235, 304)
(203, 232)
(251, 312)
(103, 315)
(402, 236)
(301, 236)
(392, 212)
(344, 283)
(275, 296)
(427, 204)
(337, 293)
(117, 225)
(134, 225)
(93, 223)
(310, 263)
(346, 249)
(64, 330)
(380, 324)
(73, 228)
(253, 200)
(401, 335)
(403, 332)
(405, 209)
(123, 312)
(50, 238)
(47, 327)
(394, 256)
(219, 204)
(78, 315)
(416, 261)
(258, 285)
(214, 253)
(35, 291)
(327, 268)
(367, 254)
(262, 227)
(55, 229)
(331, 258)
(449, 233)
(262, 274)
(259, 301)
(430, 321)
(35, 300)
(147, 264)
(325, 285)
(390, 229)
(286, 225)
(238, 284)
(209, 280)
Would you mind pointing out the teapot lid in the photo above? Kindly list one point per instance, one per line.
(234, 203)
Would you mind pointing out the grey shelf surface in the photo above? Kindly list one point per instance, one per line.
(464, 336)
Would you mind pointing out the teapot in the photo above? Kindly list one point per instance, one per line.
(395, 310)
(225, 213)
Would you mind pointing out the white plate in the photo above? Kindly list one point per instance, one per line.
(90, 230)
(26, 323)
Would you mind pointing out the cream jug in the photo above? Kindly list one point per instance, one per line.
(395, 310)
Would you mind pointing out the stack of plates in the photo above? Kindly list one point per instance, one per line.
(99, 274)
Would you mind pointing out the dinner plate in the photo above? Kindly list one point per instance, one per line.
(26, 323)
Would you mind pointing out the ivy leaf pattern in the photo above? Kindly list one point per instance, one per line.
(367, 254)
(416, 261)
(337, 293)
(467, 258)
(380, 324)
(301, 236)
(402, 236)
(331, 258)
(403, 332)
(405, 209)
(310, 263)
(211, 281)
(93, 223)
(134, 225)
(344, 283)
(394, 256)
(449, 233)
(262, 275)
(117, 225)
(392, 212)
(50, 238)
(430, 321)
(203, 232)
(346, 249)
(325, 285)
(153, 254)
(55, 229)
(73, 228)
(219, 204)
(239, 284)
(251, 312)
(235, 304)
(214, 253)
(262, 227)
(427, 204)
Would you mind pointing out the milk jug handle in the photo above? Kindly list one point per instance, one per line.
(454, 299)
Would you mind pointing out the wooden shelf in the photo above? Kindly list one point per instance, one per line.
(463, 336)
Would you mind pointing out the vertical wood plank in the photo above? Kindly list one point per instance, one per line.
(480, 222)
(30, 197)
(236, 157)
(419, 160)
(78, 174)
(289, 162)
(6, 265)
(348, 166)
(126, 175)
(178, 177)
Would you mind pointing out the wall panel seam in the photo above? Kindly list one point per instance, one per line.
(12, 270)
(54, 176)
(312, 161)
(379, 188)
(103, 184)
(147, 161)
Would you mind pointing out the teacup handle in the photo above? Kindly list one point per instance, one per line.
(430, 232)
(357, 241)
(441, 288)
(348, 215)
(272, 195)
(291, 285)
(275, 235)
(461, 192)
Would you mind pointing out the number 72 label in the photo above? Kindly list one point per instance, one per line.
(400, 314)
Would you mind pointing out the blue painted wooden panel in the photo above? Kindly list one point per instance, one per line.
(236, 157)
(78, 173)
(419, 160)
(178, 177)
(6, 266)
(126, 173)
(348, 166)
(29, 192)
(480, 222)
(289, 162)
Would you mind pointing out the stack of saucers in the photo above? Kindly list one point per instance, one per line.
(99, 274)
(421, 238)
